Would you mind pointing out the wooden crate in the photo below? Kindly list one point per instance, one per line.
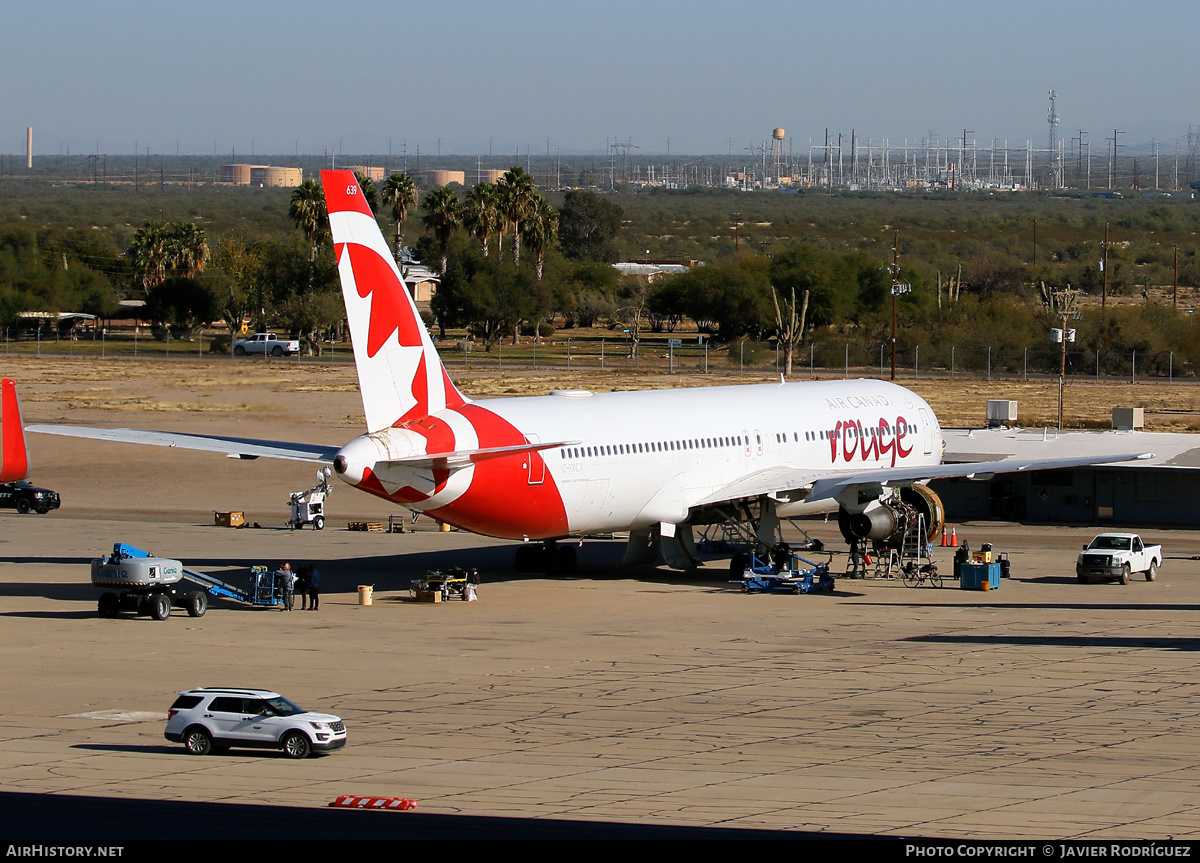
(364, 525)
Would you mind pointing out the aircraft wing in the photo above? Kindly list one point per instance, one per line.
(791, 484)
(232, 447)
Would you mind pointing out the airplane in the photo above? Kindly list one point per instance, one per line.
(654, 463)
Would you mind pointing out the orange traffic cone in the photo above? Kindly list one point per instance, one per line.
(953, 536)
(944, 543)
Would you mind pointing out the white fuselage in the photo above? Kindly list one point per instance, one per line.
(648, 457)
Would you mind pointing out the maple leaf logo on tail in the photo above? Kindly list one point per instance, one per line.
(399, 372)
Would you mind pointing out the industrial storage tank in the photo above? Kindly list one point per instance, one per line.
(277, 177)
(239, 174)
(444, 178)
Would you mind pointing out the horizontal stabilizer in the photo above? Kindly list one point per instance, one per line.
(233, 447)
(468, 457)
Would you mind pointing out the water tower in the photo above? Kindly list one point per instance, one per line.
(779, 166)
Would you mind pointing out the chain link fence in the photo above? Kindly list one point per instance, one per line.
(684, 354)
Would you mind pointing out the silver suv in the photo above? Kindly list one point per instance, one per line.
(213, 719)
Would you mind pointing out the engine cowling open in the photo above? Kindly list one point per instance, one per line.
(887, 520)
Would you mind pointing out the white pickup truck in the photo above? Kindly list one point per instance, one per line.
(266, 343)
(1116, 556)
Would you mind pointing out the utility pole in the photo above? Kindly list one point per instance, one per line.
(1175, 283)
(1035, 221)
(1066, 301)
(1113, 179)
(1104, 270)
(898, 288)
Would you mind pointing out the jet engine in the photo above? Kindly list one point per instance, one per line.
(886, 520)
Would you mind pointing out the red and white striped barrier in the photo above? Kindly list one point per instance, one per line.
(349, 801)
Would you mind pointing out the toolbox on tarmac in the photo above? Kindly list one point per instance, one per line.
(236, 518)
(980, 576)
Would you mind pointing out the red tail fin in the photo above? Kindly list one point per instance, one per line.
(14, 459)
(399, 371)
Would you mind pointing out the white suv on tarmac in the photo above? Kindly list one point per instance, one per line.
(213, 719)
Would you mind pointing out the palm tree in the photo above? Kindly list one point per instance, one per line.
(517, 192)
(400, 192)
(481, 213)
(370, 193)
(307, 210)
(188, 248)
(441, 217)
(540, 230)
(150, 254)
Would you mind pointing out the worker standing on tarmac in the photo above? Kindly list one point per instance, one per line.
(302, 585)
(314, 588)
(288, 583)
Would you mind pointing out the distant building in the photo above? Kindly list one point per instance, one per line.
(654, 270)
(260, 176)
(375, 175)
(422, 283)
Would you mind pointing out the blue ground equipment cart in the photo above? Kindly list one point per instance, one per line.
(785, 572)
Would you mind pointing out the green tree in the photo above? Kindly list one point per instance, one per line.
(159, 250)
(540, 228)
(187, 246)
(370, 193)
(481, 213)
(234, 278)
(441, 217)
(150, 253)
(588, 227)
(733, 298)
(400, 193)
(181, 305)
(307, 209)
(516, 192)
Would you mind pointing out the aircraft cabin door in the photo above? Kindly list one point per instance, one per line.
(927, 427)
(535, 463)
(758, 445)
(746, 438)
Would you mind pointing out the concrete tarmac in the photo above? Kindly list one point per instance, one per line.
(649, 698)
(1047, 709)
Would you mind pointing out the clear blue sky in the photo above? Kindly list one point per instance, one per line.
(352, 75)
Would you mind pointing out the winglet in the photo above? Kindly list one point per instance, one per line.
(399, 372)
(14, 458)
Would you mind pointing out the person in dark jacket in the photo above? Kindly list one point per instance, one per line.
(302, 585)
(314, 588)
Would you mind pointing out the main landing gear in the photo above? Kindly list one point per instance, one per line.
(548, 558)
